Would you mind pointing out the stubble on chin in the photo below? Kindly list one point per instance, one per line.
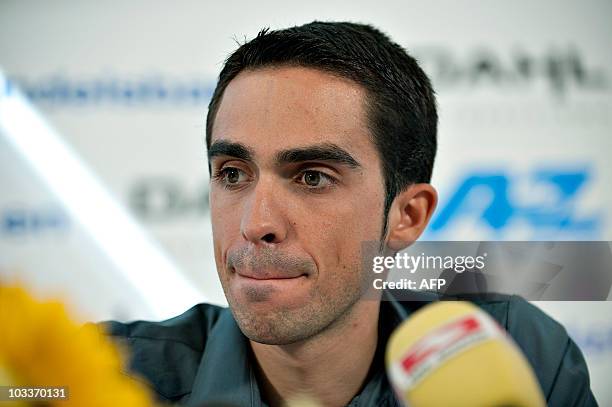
(284, 326)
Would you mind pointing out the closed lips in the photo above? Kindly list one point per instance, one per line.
(268, 276)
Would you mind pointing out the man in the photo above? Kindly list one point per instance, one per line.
(320, 138)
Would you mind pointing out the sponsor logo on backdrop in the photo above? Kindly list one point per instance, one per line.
(560, 68)
(595, 340)
(147, 90)
(492, 199)
(161, 199)
(18, 221)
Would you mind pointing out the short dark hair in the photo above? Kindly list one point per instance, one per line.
(400, 101)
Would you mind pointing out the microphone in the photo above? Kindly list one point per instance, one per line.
(451, 353)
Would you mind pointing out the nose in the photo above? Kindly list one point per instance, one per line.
(263, 220)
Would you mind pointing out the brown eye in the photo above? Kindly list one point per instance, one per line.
(315, 180)
(232, 175)
(312, 178)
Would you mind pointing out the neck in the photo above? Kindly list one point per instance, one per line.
(317, 367)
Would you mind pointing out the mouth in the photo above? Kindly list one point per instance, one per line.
(269, 287)
(265, 275)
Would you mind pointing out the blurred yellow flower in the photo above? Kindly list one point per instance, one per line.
(41, 346)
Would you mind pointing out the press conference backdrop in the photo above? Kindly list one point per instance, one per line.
(103, 175)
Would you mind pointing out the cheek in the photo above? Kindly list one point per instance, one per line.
(225, 225)
(335, 236)
(223, 211)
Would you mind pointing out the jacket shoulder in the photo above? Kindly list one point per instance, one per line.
(166, 353)
(556, 360)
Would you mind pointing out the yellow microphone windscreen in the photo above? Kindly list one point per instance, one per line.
(451, 353)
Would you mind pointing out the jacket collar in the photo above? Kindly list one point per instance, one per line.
(226, 375)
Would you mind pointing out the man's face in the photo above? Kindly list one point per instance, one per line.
(296, 188)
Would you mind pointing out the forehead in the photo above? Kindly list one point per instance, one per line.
(273, 109)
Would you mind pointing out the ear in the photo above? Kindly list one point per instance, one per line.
(409, 214)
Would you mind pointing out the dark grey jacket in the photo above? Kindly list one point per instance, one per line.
(201, 357)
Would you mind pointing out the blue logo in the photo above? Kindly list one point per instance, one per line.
(593, 340)
(17, 221)
(491, 198)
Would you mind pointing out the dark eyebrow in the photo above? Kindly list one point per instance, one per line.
(319, 152)
(230, 149)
